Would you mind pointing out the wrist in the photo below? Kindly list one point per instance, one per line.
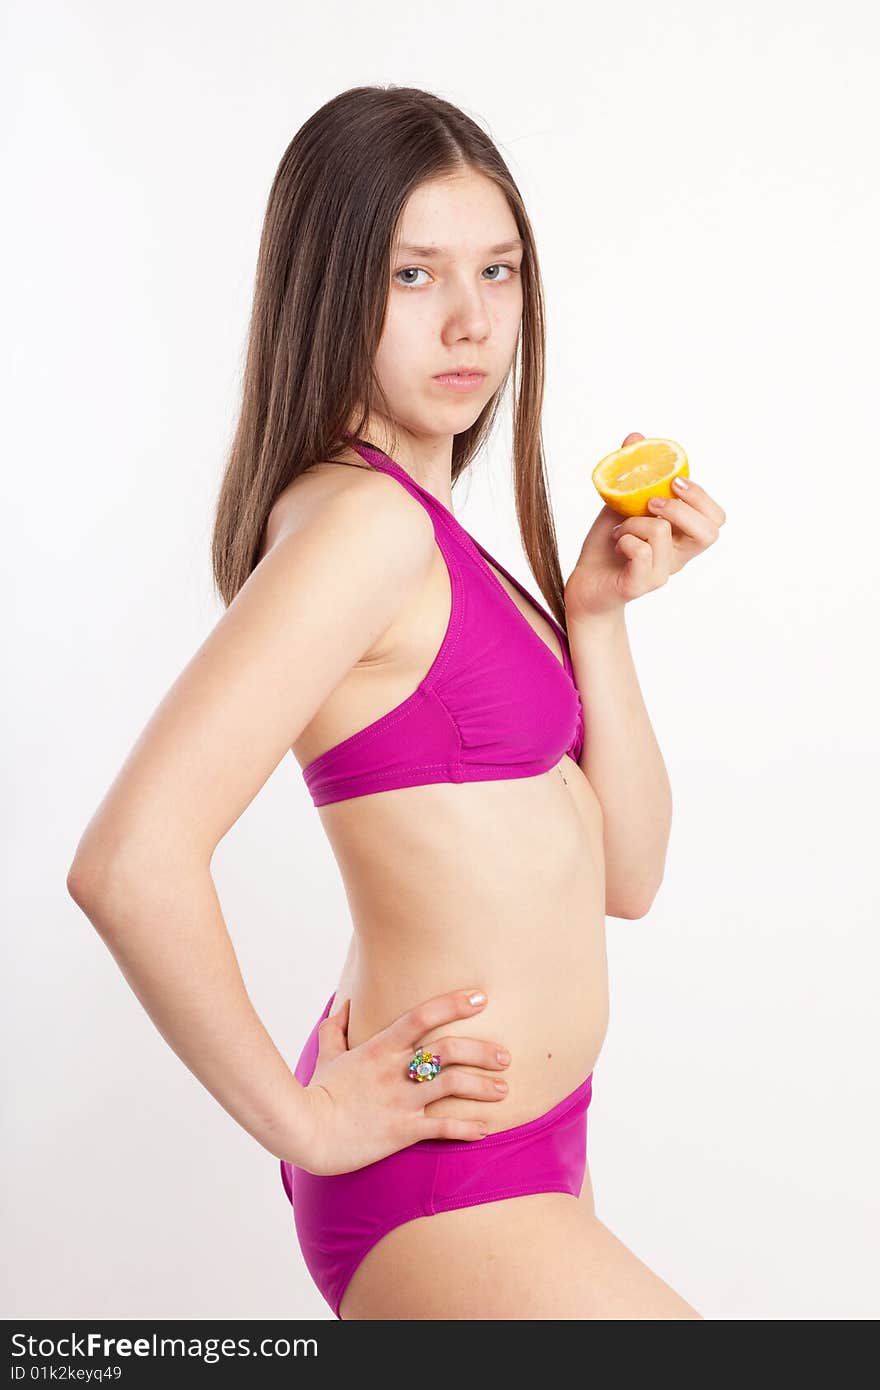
(306, 1145)
(596, 621)
(294, 1139)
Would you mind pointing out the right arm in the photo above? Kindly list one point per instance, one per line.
(311, 608)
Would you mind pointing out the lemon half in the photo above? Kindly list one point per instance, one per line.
(629, 476)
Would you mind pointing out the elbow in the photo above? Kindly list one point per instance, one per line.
(104, 890)
(107, 877)
(81, 882)
(107, 857)
(631, 894)
(88, 868)
(98, 877)
(628, 914)
(87, 881)
(633, 907)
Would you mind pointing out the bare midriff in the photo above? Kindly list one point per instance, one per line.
(494, 885)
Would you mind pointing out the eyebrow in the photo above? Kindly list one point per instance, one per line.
(428, 251)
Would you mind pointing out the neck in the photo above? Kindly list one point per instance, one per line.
(428, 461)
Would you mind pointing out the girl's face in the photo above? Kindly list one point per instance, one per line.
(456, 306)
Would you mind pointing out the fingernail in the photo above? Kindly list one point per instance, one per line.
(680, 483)
(503, 1057)
(615, 529)
(656, 503)
(476, 998)
(500, 1085)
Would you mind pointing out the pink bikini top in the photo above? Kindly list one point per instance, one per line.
(496, 702)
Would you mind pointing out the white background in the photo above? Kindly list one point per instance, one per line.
(703, 185)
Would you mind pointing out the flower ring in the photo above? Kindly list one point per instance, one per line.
(424, 1066)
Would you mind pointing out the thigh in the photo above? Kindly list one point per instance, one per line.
(586, 1197)
(541, 1256)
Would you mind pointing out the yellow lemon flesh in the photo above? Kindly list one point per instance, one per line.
(629, 476)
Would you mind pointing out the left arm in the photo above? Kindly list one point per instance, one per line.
(622, 761)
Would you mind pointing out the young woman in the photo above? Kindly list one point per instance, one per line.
(483, 766)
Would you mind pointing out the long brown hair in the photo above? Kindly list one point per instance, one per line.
(319, 304)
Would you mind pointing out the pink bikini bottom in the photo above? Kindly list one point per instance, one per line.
(340, 1216)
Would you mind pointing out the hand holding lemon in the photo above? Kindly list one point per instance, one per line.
(667, 519)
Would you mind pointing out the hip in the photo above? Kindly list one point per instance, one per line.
(552, 1019)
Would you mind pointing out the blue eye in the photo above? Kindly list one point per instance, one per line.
(407, 270)
(511, 268)
(419, 270)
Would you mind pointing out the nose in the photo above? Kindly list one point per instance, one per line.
(468, 314)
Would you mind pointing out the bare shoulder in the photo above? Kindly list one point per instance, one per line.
(356, 495)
